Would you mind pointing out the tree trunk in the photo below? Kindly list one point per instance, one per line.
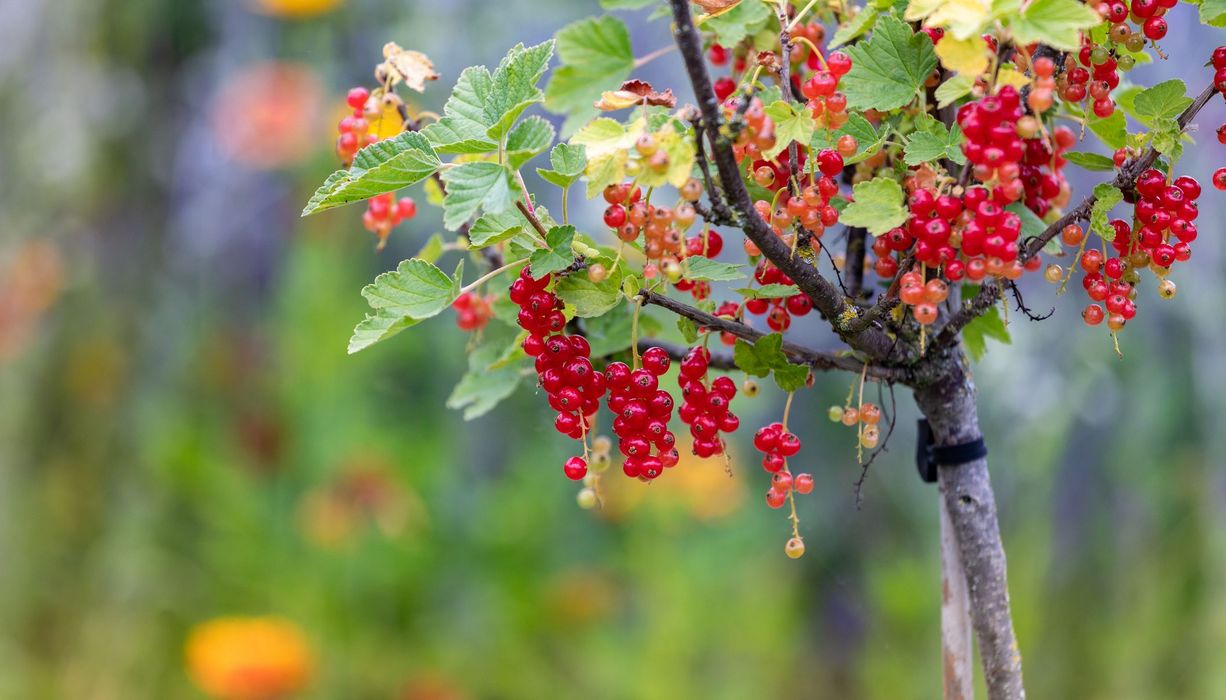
(957, 648)
(949, 405)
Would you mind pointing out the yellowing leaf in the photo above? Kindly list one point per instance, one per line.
(1009, 76)
(607, 144)
(414, 68)
(919, 9)
(963, 18)
(965, 56)
(715, 8)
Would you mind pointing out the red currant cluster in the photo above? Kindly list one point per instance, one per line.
(1004, 146)
(811, 208)
(705, 407)
(827, 105)
(707, 244)
(354, 129)
(1102, 75)
(1164, 229)
(776, 445)
(922, 296)
(642, 411)
(779, 311)
(473, 311)
(662, 227)
(384, 213)
(563, 365)
(864, 419)
(1146, 14)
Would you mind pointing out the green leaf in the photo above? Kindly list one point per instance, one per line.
(1164, 100)
(1112, 131)
(376, 327)
(689, 330)
(1167, 138)
(988, 325)
(483, 106)
(1213, 13)
(558, 253)
(514, 86)
(414, 291)
(868, 139)
(610, 332)
(483, 387)
(1057, 23)
(791, 377)
(384, 166)
(766, 357)
(769, 291)
(492, 228)
(1090, 161)
(568, 162)
(464, 124)
(861, 23)
(932, 141)
(1106, 196)
(749, 17)
(889, 68)
(596, 56)
(471, 186)
(877, 206)
(527, 140)
(954, 89)
(432, 250)
(791, 125)
(587, 297)
(700, 268)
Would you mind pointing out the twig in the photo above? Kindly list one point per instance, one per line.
(892, 417)
(1021, 304)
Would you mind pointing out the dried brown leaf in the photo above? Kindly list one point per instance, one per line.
(414, 68)
(635, 92)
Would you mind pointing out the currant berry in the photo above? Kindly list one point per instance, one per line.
(795, 548)
(575, 468)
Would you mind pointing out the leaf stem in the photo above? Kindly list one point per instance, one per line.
(491, 275)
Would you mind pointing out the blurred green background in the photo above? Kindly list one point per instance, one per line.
(183, 437)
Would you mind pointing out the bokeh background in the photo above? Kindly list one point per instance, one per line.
(183, 438)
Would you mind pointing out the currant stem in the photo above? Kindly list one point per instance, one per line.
(491, 275)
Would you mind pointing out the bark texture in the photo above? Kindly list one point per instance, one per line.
(949, 405)
(957, 647)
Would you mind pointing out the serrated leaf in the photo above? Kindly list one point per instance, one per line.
(527, 140)
(610, 332)
(769, 291)
(596, 55)
(587, 297)
(889, 68)
(414, 291)
(877, 206)
(568, 161)
(988, 325)
(962, 18)
(932, 141)
(791, 125)
(492, 229)
(953, 89)
(483, 388)
(1167, 138)
(384, 166)
(967, 56)
(861, 23)
(377, 327)
(472, 186)
(1106, 196)
(1162, 101)
(483, 106)
(1056, 23)
(747, 18)
(1090, 161)
(557, 255)
(753, 358)
(706, 269)
(1112, 131)
(791, 377)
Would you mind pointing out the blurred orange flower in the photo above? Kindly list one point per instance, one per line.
(267, 115)
(295, 9)
(249, 658)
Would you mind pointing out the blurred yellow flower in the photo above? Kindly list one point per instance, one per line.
(702, 487)
(248, 658)
(295, 9)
